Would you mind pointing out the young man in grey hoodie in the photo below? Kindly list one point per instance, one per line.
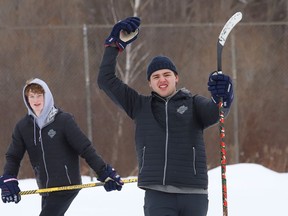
(54, 143)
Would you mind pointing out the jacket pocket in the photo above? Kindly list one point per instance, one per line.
(67, 174)
(142, 159)
(37, 176)
(194, 161)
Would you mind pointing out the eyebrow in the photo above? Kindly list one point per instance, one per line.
(165, 73)
(32, 94)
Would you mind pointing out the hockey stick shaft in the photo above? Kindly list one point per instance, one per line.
(220, 44)
(73, 187)
(223, 158)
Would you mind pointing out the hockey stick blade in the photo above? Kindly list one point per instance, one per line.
(229, 25)
(73, 187)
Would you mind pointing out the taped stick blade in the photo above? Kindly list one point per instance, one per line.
(229, 25)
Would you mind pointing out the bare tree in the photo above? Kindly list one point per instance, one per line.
(128, 73)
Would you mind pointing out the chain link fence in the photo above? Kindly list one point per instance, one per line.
(68, 58)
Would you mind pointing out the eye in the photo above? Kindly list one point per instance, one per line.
(167, 74)
(155, 77)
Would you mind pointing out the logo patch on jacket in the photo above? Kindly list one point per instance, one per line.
(51, 133)
(182, 109)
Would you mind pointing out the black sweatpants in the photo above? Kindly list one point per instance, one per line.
(57, 203)
(171, 204)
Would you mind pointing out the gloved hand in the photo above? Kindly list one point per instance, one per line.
(111, 178)
(10, 189)
(124, 32)
(220, 86)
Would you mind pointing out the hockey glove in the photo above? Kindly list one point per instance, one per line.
(111, 178)
(124, 32)
(220, 86)
(10, 189)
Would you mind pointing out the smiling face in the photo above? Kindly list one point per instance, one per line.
(36, 102)
(164, 82)
(35, 97)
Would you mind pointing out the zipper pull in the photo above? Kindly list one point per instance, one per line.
(40, 138)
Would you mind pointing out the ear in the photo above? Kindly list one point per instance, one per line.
(176, 78)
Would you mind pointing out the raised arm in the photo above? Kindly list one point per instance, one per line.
(123, 33)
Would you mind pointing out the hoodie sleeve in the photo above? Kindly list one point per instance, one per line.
(120, 93)
(82, 145)
(207, 111)
(14, 154)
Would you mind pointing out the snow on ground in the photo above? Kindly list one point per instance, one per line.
(253, 190)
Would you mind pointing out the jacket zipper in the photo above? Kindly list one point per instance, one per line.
(42, 147)
(194, 161)
(67, 174)
(166, 144)
(143, 158)
(167, 137)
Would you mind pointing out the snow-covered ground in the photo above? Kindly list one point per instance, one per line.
(253, 190)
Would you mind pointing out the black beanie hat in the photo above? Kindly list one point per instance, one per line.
(158, 63)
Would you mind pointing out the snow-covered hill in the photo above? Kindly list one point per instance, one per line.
(253, 190)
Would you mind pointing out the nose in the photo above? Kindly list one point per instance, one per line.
(162, 78)
(36, 99)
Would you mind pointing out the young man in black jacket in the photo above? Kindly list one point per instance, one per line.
(169, 128)
(53, 142)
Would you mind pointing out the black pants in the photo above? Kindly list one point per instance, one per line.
(57, 203)
(170, 204)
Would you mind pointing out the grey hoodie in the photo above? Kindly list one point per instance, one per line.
(49, 111)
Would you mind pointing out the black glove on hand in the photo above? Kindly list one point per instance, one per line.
(220, 86)
(111, 178)
(124, 32)
(10, 189)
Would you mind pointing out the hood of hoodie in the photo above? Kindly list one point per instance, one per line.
(48, 108)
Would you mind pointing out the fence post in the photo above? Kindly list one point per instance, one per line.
(88, 89)
(235, 102)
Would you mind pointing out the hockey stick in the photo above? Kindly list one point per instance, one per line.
(73, 187)
(220, 44)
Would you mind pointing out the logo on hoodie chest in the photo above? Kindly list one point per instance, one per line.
(51, 133)
(182, 109)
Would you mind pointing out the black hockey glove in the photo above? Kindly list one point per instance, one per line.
(220, 86)
(111, 179)
(10, 189)
(124, 32)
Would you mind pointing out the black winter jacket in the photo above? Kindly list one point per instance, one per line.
(53, 151)
(169, 132)
(54, 142)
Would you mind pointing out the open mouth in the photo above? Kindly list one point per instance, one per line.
(163, 86)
